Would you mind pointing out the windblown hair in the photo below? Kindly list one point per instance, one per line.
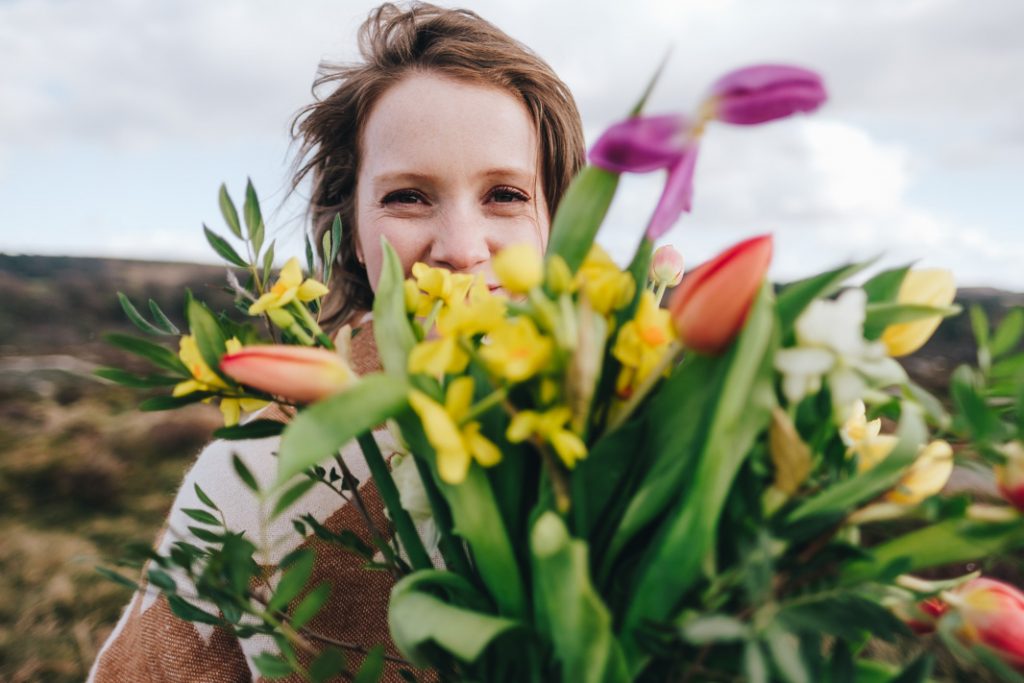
(394, 42)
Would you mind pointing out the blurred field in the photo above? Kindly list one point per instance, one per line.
(83, 473)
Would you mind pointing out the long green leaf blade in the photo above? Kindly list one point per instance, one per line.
(580, 214)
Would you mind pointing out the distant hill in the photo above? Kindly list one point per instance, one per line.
(62, 305)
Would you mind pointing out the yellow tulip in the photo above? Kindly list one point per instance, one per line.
(519, 268)
(289, 287)
(933, 287)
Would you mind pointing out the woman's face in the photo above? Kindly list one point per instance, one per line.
(449, 175)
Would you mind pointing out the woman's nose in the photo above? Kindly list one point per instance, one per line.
(460, 242)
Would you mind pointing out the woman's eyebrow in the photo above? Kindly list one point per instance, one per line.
(518, 173)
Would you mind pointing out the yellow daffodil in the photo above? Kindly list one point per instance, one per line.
(454, 445)
(641, 343)
(515, 350)
(289, 287)
(607, 287)
(926, 477)
(205, 379)
(558, 276)
(932, 287)
(550, 427)
(519, 268)
(479, 313)
(439, 284)
(437, 357)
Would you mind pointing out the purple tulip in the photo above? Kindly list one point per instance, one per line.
(641, 144)
(765, 92)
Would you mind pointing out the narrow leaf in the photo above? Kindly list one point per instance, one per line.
(271, 666)
(128, 379)
(310, 605)
(208, 334)
(154, 353)
(268, 261)
(293, 581)
(117, 578)
(1009, 333)
(201, 516)
(227, 209)
(243, 473)
(289, 497)
(223, 248)
(136, 317)
(580, 214)
(257, 429)
(207, 501)
(372, 666)
(253, 217)
(161, 320)
(158, 403)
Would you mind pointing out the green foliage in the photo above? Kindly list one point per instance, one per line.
(580, 214)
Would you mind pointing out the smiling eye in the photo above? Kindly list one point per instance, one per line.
(508, 194)
(402, 197)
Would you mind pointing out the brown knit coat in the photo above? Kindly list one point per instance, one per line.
(151, 644)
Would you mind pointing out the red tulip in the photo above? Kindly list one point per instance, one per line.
(710, 306)
(992, 614)
(296, 373)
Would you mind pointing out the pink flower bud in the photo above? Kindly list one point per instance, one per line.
(296, 373)
(710, 306)
(1010, 475)
(666, 266)
(922, 617)
(991, 614)
(765, 92)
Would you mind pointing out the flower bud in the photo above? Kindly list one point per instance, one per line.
(710, 306)
(559, 277)
(666, 266)
(991, 614)
(921, 617)
(933, 287)
(298, 374)
(1010, 475)
(765, 92)
(519, 268)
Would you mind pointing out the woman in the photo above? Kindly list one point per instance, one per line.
(452, 141)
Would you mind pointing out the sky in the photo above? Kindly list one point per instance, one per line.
(119, 120)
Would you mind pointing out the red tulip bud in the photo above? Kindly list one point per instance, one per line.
(296, 373)
(710, 306)
(992, 614)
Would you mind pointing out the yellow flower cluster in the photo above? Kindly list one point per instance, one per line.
(605, 286)
(205, 379)
(550, 427)
(642, 343)
(289, 287)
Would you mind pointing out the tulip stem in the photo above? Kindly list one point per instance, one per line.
(404, 526)
(314, 326)
(659, 293)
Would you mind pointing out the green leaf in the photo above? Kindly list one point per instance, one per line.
(271, 666)
(796, 296)
(207, 501)
(642, 102)
(754, 664)
(268, 261)
(309, 254)
(189, 612)
(227, 209)
(580, 214)
(327, 665)
(846, 615)
(318, 432)
(569, 609)
(948, 542)
(335, 237)
(154, 353)
(293, 581)
(419, 620)
(880, 316)
(979, 325)
(130, 379)
(785, 650)
(161, 320)
(1009, 333)
(919, 671)
(711, 628)
(136, 317)
(391, 328)
(289, 497)
(201, 516)
(208, 334)
(882, 288)
(117, 578)
(310, 605)
(161, 580)
(984, 424)
(244, 474)
(223, 248)
(173, 402)
(257, 429)
(253, 217)
(372, 667)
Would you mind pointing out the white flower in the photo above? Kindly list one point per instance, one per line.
(830, 344)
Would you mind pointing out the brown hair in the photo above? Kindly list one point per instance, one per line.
(393, 42)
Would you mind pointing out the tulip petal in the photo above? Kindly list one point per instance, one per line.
(641, 144)
(677, 195)
(300, 374)
(766, 92)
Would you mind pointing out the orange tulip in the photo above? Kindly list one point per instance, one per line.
(710, 306)
(992, 614)
(296, 373)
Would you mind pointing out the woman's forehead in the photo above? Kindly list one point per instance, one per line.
(430, 124)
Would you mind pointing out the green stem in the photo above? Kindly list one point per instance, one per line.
(621, 413)
(404, 526)
(313, 325)
(659, 293)
(451, 549)
(428, 322)
(496, 397)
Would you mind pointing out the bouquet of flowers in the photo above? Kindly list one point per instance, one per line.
(741, 485)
